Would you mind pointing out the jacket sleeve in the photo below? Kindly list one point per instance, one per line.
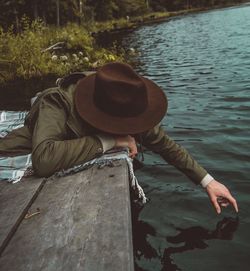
(159, 142)
(17, 142)
(51, 150)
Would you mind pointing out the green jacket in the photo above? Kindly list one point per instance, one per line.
(58, 138)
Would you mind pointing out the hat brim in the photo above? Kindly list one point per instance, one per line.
(88, 111)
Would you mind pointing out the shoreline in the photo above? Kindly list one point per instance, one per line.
(15, 94)
(117, 26)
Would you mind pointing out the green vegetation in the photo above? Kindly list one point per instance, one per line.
(27, 54)
(28, 29)
(60, 12)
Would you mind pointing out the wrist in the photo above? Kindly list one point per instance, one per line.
(121, 141)
(206, 180)
(108, 142)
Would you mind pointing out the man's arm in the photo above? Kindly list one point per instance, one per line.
(17, 142)
(157, 140)
(51, 151)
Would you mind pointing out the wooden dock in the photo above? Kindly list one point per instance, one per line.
(79, 222)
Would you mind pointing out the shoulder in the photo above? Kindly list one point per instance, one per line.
(150, 135)
(154, 131)
(57, 96)
(50, 99)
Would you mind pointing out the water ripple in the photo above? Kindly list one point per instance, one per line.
(202, 61)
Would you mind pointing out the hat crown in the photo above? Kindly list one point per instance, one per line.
(120, 91)
(117, 100)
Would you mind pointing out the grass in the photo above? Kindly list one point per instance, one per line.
(24, 55)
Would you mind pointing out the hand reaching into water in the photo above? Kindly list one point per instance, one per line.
(218, 193)
(220, 196)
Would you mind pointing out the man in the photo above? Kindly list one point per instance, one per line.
(114, 107)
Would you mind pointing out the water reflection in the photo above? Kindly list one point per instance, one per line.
(195, 237)
(189, 239)
(202, 63)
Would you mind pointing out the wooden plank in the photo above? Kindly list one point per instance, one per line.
(85, 224)
(15, 200)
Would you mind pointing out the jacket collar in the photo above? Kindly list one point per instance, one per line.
(74, 122)
(78, 126)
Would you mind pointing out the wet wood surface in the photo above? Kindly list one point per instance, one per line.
(83, 223)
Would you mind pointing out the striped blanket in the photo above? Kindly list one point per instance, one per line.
(13, 169)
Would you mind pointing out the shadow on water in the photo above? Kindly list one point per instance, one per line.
(189, 239)
(195, 237)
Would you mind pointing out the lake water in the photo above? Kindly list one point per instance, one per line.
(202, 61)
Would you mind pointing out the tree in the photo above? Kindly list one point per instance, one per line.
(60, 12)
(57, 13)
(11, 14)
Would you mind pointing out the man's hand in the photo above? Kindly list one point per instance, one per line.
(127, 141)
(220, 196)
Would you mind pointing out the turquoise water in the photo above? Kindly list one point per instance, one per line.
(202, 61)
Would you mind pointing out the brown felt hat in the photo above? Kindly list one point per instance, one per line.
(117, 100)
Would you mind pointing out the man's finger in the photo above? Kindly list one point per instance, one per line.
(133, 151)
(216, 205)
(132, 155)
(233, 202)
(231, 199)
(223, 202)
